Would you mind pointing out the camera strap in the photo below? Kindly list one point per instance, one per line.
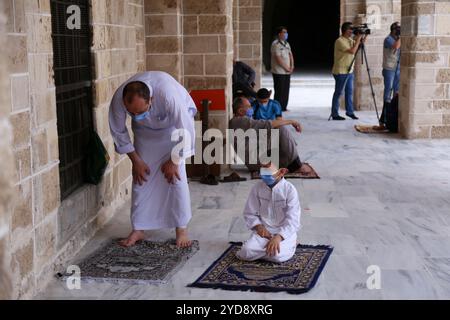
(284, 45)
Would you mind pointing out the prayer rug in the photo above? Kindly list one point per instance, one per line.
(298, 275)
(293, 175)
(146, 262)
(370, 129)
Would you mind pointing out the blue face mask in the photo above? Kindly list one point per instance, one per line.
(249, 112)
(268, 179)
(141, 116)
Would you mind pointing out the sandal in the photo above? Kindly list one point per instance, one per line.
(210, 180)
(233, 177)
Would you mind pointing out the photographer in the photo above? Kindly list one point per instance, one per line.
(391, 66)
(345, 49)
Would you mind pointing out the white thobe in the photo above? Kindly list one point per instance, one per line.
(277, 209)
(157, 204)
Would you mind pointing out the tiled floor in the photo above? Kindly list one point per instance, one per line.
(381, 201)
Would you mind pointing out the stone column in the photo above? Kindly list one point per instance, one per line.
(208, 50)
(425, 69)
(6, 158)
(32, 114)
(163, 39)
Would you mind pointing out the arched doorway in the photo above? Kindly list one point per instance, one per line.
(313, 27)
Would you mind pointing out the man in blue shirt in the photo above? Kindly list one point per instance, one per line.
(265, 108)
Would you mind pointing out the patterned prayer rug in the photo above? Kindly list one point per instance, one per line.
(294, 175)
(370, 129)
(145, 263)
(298, 275)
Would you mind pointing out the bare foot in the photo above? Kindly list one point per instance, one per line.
(182, 238)
(135, 236)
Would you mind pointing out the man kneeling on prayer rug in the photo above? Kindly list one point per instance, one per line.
(273, 213)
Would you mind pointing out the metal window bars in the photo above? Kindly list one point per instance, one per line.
(73, 80)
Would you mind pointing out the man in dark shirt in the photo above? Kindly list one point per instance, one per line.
(243, 79)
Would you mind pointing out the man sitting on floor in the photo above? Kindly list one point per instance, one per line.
(266, 108)
(288, 155)
(243, 79)
(273, 214)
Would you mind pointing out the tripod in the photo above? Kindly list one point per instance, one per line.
(362, 48)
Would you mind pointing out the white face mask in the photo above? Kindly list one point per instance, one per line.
(266, 171)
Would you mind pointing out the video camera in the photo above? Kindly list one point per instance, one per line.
(361, 29)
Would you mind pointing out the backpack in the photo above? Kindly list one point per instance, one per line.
(392, 115)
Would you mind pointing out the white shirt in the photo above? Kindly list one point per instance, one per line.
(283, 50)
(278, 209)
(157, 204)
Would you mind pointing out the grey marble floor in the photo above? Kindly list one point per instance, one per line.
(381, 201)
(308, 89)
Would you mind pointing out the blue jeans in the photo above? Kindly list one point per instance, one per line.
(391, 79)
(343, 82)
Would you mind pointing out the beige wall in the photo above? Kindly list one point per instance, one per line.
(193, 41)
(6, 158)
(32, 114)
(163, 36)
(425, 69)
(247, 26)
(43, 231)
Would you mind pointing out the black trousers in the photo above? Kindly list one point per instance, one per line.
(282, 84)
(295, 165)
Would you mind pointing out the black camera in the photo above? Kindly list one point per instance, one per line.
(397, 31)
(361, 29)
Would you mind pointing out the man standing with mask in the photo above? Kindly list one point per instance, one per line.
(282, 63)
(158, 105)
(391, 66)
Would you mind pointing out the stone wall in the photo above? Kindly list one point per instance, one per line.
(247, 26)
(379, 14)
(193, 41)
(44, 231)
(35, 143)
(6, 158)
(425, 69)
(163, 36)
(208, 51)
